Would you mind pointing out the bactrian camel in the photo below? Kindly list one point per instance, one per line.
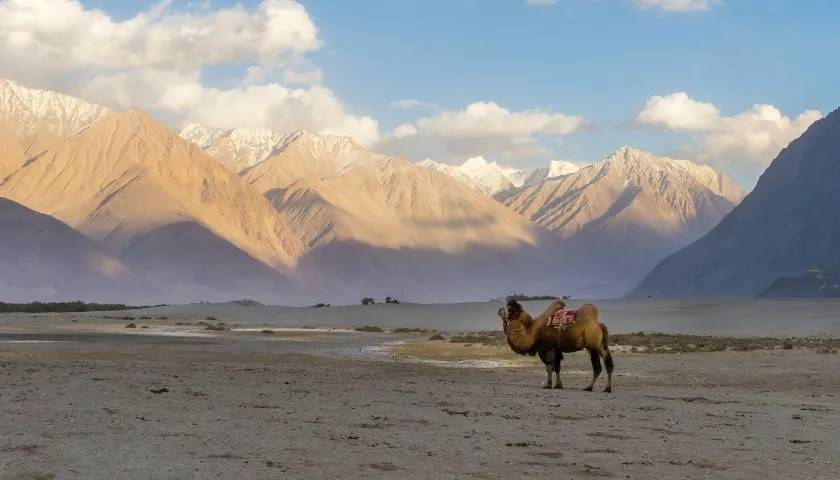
(527, 335)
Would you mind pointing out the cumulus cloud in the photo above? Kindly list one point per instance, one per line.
(482, 128)
(745, 142)
(678, 112)
(675, 5)
(537, 3)
(157, 58)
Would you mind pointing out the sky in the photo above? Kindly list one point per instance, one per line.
(725, 83)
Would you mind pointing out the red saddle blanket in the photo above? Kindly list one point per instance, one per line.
(562, 319)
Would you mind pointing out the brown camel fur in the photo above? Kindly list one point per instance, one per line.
(531, 336)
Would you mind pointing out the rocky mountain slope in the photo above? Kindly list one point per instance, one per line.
(41, 258)
(784, 227)
(128, 175)
(628, 211)
(382, 201)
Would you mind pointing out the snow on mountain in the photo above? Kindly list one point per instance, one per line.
(493, 179)
(489, 177)
(556, 168)
(39, 117)
(242, 148)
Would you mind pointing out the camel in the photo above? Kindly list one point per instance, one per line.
(532, 336)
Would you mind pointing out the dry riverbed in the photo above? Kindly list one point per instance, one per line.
(249, 404)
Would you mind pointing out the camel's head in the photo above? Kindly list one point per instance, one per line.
(502, 313)
(513, 310)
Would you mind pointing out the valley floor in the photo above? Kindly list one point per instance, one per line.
(91, 406)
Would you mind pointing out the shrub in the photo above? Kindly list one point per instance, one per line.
(131, 325)
(368, 301)
(437, 336)
(391, 300)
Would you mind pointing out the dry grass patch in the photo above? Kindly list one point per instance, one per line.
(456, 352)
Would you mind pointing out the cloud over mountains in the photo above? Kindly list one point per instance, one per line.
(157, 59)
(745, 141)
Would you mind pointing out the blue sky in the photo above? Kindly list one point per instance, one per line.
(600, 60)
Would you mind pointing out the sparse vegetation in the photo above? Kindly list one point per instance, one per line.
(368, 328)
(368, 301)
(490, 338)
(391, 300)
(436, 336)
(320, 305)
(211, 319)
(61, 307)
(131, 325)
(217, 327)
(267, 331)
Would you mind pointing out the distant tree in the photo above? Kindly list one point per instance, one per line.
(368, 301)
(389, 299)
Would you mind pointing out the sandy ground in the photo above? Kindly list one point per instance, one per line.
(246, 406)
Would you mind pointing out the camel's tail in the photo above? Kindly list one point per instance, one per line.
(608, 361)
(605, 340)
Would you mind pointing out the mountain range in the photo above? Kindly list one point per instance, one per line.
(299, 217)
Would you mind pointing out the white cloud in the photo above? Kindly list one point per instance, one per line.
(678, 112)
(64, 32)
(536, 3)
(676, 5)
(482, 128)
(156, 59)
(745, 142)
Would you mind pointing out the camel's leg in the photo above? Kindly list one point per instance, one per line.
(548, 369)
(547, 357)
(596, 368)
(605, 354)
(558, 357)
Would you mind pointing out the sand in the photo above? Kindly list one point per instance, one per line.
(332, 405)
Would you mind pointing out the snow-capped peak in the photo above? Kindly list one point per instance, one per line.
(633, 162)
(489, 177)
(558, 168)
(241, 148)
(29, 110)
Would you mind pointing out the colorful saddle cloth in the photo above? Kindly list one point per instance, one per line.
(562, 319)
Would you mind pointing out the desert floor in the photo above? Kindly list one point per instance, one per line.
(326, 405)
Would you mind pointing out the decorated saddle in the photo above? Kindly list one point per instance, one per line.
(562, 319)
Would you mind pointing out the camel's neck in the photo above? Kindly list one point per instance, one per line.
(521, 333)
